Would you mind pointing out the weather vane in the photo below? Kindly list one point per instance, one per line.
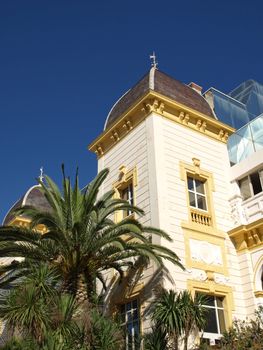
(41, 176)
(154, 62)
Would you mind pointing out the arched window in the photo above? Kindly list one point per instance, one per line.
(258, 281)
(262, 277)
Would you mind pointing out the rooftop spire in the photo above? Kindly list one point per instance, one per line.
(154, 62)
(41, 176)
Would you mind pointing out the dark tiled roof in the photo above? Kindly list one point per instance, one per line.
(10, 216)
(164, 84)
(33, 197)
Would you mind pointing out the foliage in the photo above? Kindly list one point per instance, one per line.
(26, 306)
(51, 284)
(243, 335)
(20, 344)
(193, 313)
(157, 339)
(177, 315)
(81, 241)
(48, 320)
(106, 334)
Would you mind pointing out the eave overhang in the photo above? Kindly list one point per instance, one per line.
(153, 102)
(247, 237)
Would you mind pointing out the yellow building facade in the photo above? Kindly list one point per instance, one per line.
(167, 151)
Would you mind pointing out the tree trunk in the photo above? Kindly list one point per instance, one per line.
(186, 336)
(77, 287)
(175, 341)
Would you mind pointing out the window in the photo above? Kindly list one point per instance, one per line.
(215, 324)
(125, 188)
(251, 184)
(130, 320)
(127, 194)
(196, 192)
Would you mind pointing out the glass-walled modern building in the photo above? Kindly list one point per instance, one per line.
(246, 140)
(240, 106)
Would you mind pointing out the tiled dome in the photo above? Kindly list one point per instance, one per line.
(165, 85)
(33, 197)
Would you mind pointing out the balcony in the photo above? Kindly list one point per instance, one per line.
(248, 211)
(200, 217)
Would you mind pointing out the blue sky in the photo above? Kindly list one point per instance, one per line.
(64, 63)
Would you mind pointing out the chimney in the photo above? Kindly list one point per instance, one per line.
(196, 87)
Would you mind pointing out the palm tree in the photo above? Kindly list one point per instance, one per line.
(178, 314)
(42, 318)
(193, 313)
(82, 241)
(167, 314)
(156, 339)
(25, 308)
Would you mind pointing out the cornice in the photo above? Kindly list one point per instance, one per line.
(153, 102)
(247, 237)
(25, 223)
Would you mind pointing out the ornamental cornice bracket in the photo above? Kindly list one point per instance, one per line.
(115, 135)
(161, 107)
(210, 276)
(184, 117)
(253, 238)
(123, 172)
(127, 125)
(247, 238)
(99, 150)
(201, 125)
(153, 105)
(198, 124)
(196, 163)
(223, 136)
(226, 136)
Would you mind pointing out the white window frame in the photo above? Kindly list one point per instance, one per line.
(133, 321)
(214, 336)
(251, 189)
(195, 193)
(130, 199)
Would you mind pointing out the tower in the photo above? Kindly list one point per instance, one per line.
(167, 154)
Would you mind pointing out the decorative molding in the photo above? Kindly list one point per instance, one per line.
(99, 150)
(196, 162)
(115, 136)
(125, 177)
(203, 126)
(258, 294)
(23, 222)
(211, 287)
(201, 275)
(153, 105)
(196, 216)
(223, 135)
(247, 237)
(221, 279)
(127, 125)
(154, 102)
(197, 274)
(184, 118)
(238, 214)
(204, 252)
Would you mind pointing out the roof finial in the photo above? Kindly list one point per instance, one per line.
(41, 176)
(154, 62)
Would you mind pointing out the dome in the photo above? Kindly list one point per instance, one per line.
(33, 197)
(162, 83)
